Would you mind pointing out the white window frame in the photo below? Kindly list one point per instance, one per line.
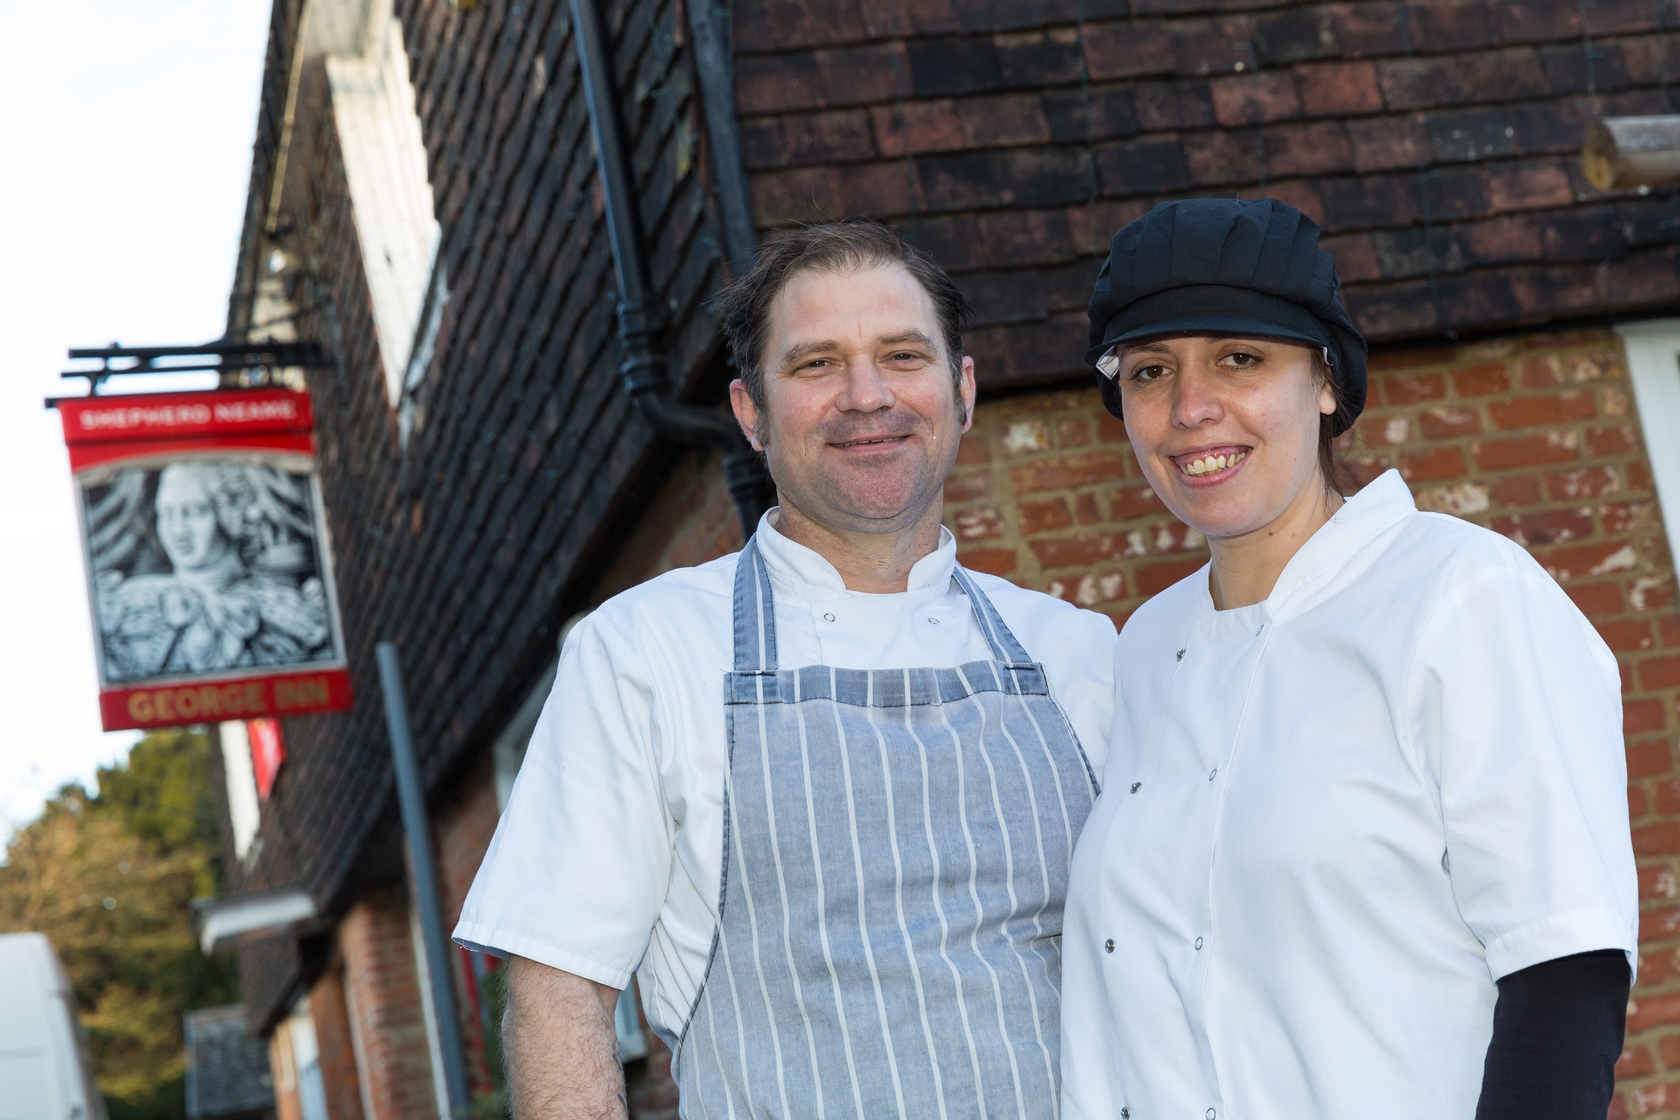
(244, 808)
(1653, 359)
(384, 154)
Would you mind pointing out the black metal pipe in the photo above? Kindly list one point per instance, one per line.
(714, 64)
(417, 827)
(641, 323)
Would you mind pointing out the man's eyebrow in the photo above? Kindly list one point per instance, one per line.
(804, 349)
(911, 335)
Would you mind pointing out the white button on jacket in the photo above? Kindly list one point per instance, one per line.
(1288, 786)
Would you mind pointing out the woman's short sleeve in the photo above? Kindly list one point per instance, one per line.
(1516, 708)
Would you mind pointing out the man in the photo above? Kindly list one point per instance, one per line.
(839, 878)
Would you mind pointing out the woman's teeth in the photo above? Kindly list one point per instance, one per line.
(1208, 464)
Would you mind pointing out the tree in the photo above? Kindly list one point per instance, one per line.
(109, 879)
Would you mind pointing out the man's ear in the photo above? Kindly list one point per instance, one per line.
(746, 412)
(967, 391)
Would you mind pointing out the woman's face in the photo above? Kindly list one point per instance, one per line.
(186, 520)
(1226, 429)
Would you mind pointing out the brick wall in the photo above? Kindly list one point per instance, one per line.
(1534, 437)
(384, 999)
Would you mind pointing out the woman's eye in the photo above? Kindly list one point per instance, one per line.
(1148, 373)
(1241, 359)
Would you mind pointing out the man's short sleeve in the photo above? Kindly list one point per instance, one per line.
(1518, 711)
(577, 871)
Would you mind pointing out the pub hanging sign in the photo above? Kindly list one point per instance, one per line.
(209, 568)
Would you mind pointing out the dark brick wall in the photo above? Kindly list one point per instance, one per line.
(1436, 143)
(470, 545)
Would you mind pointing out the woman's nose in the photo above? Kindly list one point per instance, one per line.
(1196, 399)
(866, 390)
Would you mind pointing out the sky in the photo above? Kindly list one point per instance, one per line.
(125, 152)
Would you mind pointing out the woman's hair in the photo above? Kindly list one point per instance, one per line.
(1336, 475)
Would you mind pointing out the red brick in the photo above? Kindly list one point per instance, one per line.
(1595, 600)
(1412, 388)
(1586, 482)
(1151, 579)
(1527, 451)
(864, 75)
(1620, 440)
(1073, 432)
(1111, 429)
(1647, 759)
(1064, 552)
(1042, 517)
(1136, 501)
(1668, 629)
(777, 83)
(1627, 636)
(1635, 1061)
(1624, 517)
(1481, 381)
(1069, 471)
(1554, 526)
(1338, 89)
(1255, 98)
(1657, 839)
(1382, 429)
(1435, 463)
(978, 523)
(1639, 478)
(1446, 422)
(1638, 803)
(1518, 490)
(960, 486)
(1668, 1047)
(1659, 672)
(1539, 373)
(1588, 560)
(1641, 715)
(918, 126)
(1530, 412)
(1657, 967)
(1649, 1011)
(973, 450)
(993, 561)
(1667, 791)
(1085, 509)
(1356, 256)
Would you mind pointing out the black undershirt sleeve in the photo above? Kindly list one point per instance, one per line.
(1557, 1032)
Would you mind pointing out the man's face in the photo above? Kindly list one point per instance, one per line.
(861, 418)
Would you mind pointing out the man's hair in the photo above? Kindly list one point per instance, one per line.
(842, 246)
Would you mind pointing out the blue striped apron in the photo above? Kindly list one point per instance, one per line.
(895, 859)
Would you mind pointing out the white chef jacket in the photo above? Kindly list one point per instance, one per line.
(1332, 821)
(608, 858)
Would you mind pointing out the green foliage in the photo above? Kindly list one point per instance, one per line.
(108, 879)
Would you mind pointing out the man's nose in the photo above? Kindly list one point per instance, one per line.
(866, 389)
(1195, 398)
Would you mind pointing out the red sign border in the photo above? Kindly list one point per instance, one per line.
(276, 695)
(284, 691)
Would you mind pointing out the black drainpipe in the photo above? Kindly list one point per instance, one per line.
(641, 321)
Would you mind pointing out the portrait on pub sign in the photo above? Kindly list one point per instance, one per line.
(207, 566)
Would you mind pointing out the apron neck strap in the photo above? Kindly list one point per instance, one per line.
(998, 635)
(755, 613)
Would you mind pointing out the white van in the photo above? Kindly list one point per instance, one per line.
(44, 1069)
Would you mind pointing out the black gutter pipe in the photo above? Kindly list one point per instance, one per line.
(641, 321)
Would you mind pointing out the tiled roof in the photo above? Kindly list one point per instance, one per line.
(1435, 143)
(227, 1069)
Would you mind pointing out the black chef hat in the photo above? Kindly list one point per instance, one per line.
(1225, 266)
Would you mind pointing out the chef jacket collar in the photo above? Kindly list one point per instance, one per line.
(1362, 517)
(808, 574)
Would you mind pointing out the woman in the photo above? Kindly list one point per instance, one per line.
(1362, 848)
